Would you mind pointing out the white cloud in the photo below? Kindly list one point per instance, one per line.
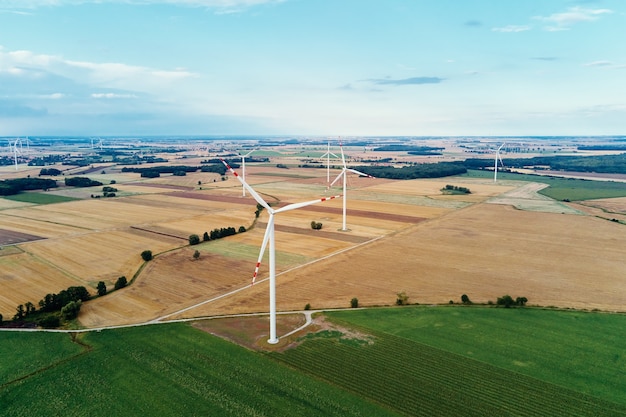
(604, 64)
(112, 95)
(598, 64)
(572, 16)
(107, 74)
(53, 96)
(512, 28)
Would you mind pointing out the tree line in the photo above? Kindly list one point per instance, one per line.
(435, 170)
(16, 185)
(154, 172)
(607, 164)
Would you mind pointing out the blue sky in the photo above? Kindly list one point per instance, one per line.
(312, 67)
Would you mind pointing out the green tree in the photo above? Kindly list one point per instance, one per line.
(259, 209)
(49, 321)
(403, 299)
(354, 303)
(146, 255)
(121, 282)
(194, 239)
(1, 318)
(196, 255)
(465, 299)
(70, 310)
(19, 312)
(242, 229)
(102, 288)
(505, 300)
(521, 301)
(205, 236)
(307, 306)
(30, 308)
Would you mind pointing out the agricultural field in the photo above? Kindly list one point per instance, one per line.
(165, 370)
(375, 362)
(484, 251)
(440, 246)
(39, 198)
(573, 189)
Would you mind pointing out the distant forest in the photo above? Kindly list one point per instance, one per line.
(436, 170)
(606, 164)
(14, 186)
(411, 150)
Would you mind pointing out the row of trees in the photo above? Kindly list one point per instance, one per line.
(215, 234)
(53, 172)
(53, 307)
(81, 182)
(453, 189)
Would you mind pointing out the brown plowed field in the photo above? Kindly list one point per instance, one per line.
(9, 237)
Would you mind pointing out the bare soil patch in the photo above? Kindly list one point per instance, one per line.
(9, 237)
(252, 331)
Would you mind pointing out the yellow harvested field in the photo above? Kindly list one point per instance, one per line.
(207, 222)
(9, 204)
(611, 205)
(26, 278)
(485, 251)
(36, 227)
(99, 256)
(169, 283)
(403, 236)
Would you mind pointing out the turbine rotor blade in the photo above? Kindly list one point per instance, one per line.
(359, 172)
(343, 172)
(294, 206)
(253, 193)
(343, 159)
(266, 237)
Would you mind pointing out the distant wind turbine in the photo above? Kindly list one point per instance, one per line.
(495, 163)
(16, 150)
(327, 155)
(269, 237)
(344, 174)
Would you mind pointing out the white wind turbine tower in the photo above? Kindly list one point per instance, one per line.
(16, 151)
(495, 163)
(269, 237)
(344, 173)
(327, 155)
(243, 169)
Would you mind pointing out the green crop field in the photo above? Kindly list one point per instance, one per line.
(163, 370)
(581, 352)
(563, 188)
(412, 360)
(24, 354)
(39, 198)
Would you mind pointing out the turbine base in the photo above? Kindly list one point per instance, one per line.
(272, 341)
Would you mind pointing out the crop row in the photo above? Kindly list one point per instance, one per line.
(416, 379)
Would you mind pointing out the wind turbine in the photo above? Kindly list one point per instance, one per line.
(16, 151)
(243, 168)
(269, 237)
(327, 155)
(495, 163)
(344, 173)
